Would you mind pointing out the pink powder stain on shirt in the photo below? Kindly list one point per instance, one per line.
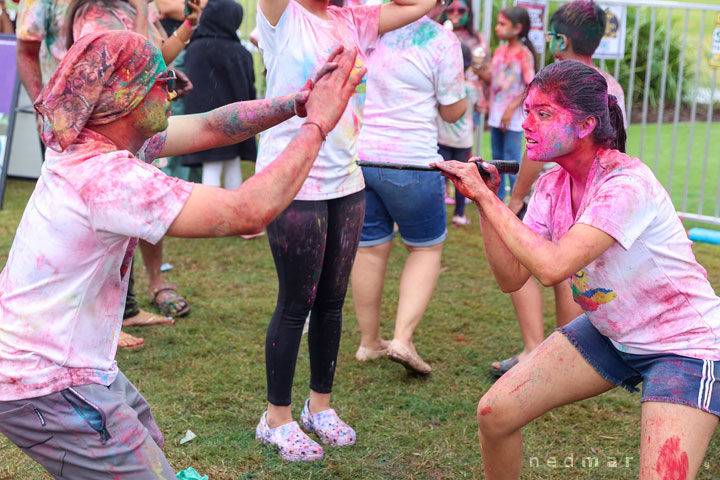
(672, 462)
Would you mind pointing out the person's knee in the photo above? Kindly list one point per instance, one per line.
(491, 418)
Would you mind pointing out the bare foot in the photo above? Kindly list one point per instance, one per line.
(129, 342)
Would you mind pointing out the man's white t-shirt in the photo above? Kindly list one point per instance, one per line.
(410, 72)
(63, 288)
(293, 51)
(647, 293)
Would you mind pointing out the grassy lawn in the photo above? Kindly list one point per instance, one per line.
(207, 374)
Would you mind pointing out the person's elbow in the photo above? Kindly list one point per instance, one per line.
(426, 5)
(453, 112)
(510, 285)
(28, 50)
(551, 275)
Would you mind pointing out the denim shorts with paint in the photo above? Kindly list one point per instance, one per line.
(415, 200)
(666, 377)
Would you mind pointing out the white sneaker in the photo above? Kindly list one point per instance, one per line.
(459, 221)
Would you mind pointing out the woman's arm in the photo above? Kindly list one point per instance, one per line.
(273, 9)
(529, 253)
(399, 13)
(239, 121)
(214, 212)
(175, 44)
(509, 111)
(453, 112)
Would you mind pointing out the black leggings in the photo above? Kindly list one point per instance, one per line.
(313, 244)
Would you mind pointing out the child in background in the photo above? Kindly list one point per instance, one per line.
(513, 67)
(455, 140)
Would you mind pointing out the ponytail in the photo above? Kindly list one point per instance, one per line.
(617, 122)
(526, 41)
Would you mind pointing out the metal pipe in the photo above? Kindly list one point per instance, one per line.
(678, 98)
(661, 106)
(648, 70)
(633, 62)
(693, 110)
(708, 126)
(546, 20)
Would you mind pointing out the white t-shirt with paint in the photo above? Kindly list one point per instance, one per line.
(459, 134)
(647, 293)
(63, 288)
(410, 72)
(293, 51)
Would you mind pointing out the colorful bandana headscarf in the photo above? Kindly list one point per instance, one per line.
(102, 78)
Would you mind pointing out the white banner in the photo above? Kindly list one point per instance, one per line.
(612, 45)
(537, 10)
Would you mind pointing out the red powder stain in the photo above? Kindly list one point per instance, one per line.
(519, 386)
(672, 463)
(486, 410)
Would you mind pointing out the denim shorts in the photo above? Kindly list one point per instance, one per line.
(666, 377)
(413, 200)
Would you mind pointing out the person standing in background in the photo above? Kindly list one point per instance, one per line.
(221, 70)
(415, 75)
(315, 240)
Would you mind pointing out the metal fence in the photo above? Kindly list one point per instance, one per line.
(678, 149)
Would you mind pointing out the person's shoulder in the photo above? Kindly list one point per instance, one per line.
(525, 53)
(615, 163)
(611, 159)
(612, 83)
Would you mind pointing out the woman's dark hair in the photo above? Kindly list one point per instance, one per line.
(73, 9)
(584, 91)
(518, 15)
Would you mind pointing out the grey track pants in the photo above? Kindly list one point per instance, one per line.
(89, 432)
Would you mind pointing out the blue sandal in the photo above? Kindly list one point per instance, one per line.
(505, 366)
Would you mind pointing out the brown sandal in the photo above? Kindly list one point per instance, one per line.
(168, 300)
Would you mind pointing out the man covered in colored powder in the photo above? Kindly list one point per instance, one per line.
(105, 110)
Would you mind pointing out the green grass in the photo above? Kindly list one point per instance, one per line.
(207, 374)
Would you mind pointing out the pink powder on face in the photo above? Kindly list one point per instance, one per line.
(550, 129)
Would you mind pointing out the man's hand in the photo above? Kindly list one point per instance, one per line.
(304, 93)
(333, 89)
